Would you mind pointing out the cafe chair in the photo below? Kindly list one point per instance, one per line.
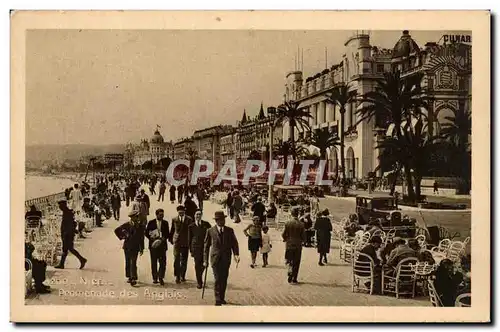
(28, 277)
(403, 282)
(433, 295)
(463, 300)
(363, 273)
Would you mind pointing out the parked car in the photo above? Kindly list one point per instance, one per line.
(384, 207)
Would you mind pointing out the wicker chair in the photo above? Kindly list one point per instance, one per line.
(423, 272)
(455, 251)
(433, 295)
(443, 246)
(362, 272)
(346, 248)
(28, 278)
(405, 276)
(390, 236)
(422, 241)
(461, 300)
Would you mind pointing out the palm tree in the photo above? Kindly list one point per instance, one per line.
(458, 128)
(284, 149)
(295, 116)
(323, 140)
(341, 96)
(397, 101)
(394, 100)
(418, 148)
(456, 133)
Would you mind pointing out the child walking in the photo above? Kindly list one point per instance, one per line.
(266, 246)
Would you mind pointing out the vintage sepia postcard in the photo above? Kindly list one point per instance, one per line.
(250, 166)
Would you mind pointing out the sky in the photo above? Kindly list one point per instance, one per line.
(115, 86)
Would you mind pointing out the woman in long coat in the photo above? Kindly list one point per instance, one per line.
(323, 228)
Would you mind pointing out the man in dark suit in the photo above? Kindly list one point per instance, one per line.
(197, 233)
(132, 232)
(157, 233)
(294, 235)
(68, 231)
(179, 237)
(220, 242)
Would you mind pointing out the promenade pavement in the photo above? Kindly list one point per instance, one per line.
(103, 282)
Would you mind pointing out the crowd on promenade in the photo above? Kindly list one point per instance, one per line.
(298, 218)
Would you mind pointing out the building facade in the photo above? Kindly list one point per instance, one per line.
(446, 85)
(228, 147)
(207, 143)
(181, 148)
(253, 135)
(152, 150)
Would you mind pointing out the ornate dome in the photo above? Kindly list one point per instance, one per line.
(405, 46)
(157, 138)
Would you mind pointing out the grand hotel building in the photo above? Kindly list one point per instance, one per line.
(446, 84)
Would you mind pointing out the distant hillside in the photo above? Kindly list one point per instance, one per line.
(35, 153)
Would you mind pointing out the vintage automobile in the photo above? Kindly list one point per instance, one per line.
(282, 191)
(384, 207)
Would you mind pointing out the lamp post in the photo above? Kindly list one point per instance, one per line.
(212, 144)
(271, 111)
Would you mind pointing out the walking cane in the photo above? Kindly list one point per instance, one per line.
(204, 282)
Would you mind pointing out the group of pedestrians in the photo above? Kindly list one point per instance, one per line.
(188, 234)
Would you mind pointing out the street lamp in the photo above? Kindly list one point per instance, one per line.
(271, 111)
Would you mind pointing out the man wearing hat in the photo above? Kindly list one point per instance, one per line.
(157, 233)
(179, 237)
(220, 243)
(197, 233)
(132, 232)
(294, 235)
(68, 231)
(144, 205)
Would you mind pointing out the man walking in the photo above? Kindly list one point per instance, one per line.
(294, 235)
(172, 193)
(144, 205)
(180, 193)
(133, 246)
(179, 237)
(200, 196)
(197, 233)
(163, 188)
(68, 231)
(157, 233)
(116, 204)
(220, 243)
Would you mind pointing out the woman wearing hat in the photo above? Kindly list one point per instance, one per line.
(132, 232)
(254, 234)
(323, 227)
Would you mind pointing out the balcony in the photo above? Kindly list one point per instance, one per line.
(351, 132)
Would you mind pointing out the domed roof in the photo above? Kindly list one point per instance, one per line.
(405, 46)
(157, 138)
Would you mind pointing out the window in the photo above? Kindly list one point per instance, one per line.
(380, 68)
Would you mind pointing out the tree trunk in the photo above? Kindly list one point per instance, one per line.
(343, 191)
(418, 188)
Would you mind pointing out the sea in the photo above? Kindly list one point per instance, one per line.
(38, 185)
